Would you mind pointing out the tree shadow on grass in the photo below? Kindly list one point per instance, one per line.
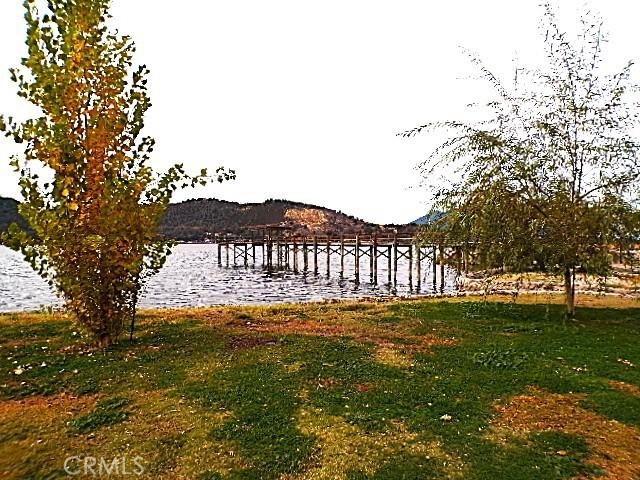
(265, 395)
(265, 385)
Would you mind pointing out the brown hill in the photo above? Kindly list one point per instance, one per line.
(195, 220)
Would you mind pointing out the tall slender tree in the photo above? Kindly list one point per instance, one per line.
(535, 180)
(94, 213)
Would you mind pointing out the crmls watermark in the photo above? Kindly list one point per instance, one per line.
(103, 467)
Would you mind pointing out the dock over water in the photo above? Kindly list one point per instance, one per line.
(314, 254)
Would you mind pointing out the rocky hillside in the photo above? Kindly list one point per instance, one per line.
(197, 220)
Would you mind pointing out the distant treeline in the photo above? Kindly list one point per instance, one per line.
(9, 213)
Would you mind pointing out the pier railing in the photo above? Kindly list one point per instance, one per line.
(310, 253)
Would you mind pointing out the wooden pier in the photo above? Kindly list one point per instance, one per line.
(314, 254)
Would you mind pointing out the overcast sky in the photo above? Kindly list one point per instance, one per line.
(304, 98)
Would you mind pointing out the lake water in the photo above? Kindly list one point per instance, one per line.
(192, 277)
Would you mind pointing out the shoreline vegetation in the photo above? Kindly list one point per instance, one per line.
(420, 388)
(624, 282)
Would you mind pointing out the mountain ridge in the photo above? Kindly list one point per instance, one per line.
(9, 213)
(200, 219)
(429, 218)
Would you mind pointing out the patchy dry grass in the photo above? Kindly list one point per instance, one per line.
(615, 446)
(344, 447)
(428, 389)
(626, 387)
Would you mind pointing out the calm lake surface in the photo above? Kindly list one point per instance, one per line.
(192, 278)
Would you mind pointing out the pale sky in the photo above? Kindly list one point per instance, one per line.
(303, 99)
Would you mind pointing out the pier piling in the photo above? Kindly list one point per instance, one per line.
(394, 248)
(357, 255)
(315, 255)
(374, 262)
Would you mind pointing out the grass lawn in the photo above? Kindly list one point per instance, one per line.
(401, 390)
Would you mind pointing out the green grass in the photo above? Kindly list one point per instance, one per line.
(107, 412)
(406, 390)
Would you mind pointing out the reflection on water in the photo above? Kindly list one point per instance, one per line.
(192, 277)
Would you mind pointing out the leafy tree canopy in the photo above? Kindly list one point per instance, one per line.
(539, 180)
(95, 216)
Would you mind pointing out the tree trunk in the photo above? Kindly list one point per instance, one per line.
(133, 321)
(570, 292)
(105, 341)
(135, 307)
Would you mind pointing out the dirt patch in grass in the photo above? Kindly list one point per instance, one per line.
(364, 387)
(625, 387)
(359, 332)
(41, 405)
(615, 446)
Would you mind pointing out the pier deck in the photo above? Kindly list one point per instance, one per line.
(311, 253)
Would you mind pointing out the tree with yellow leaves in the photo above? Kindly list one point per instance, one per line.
(94, 219)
